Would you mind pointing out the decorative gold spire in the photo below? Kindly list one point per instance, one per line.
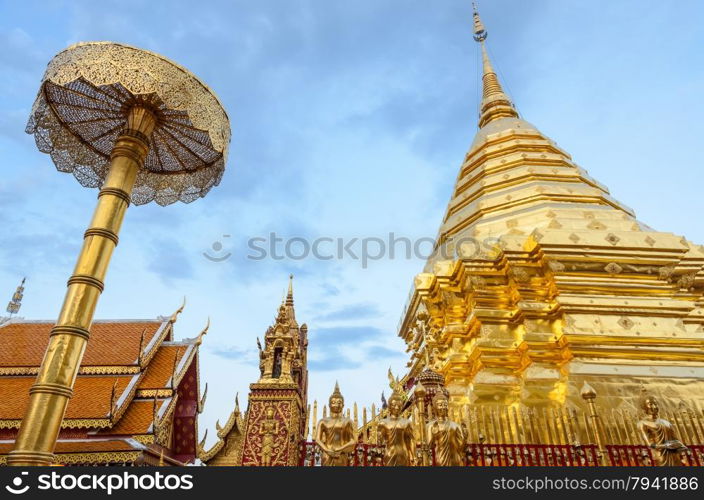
(289, 295)
(15, 303)
(495, 103)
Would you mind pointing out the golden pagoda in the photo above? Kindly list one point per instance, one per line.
(541, 282)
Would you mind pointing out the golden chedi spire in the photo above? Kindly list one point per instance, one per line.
(495, 103)
(289, 295)
(515, 179)
(542, 281)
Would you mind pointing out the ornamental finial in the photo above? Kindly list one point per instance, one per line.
(289, 295)
(587, 392)
(199, 339)
(480, 32)
(495, 103)
(178, 311)
(15, 303)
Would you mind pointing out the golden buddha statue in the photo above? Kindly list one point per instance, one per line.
(445, 438)
(396, 434)
(659, 434)
(269, 429)
(336, 435)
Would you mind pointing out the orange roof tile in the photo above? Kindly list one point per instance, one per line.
(137, 418)
(161, 367)
(91, 396)
(114, 343)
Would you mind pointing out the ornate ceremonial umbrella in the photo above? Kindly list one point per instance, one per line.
(141, 128)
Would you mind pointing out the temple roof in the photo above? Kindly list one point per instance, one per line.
(127, 386)
(165, 362)
(139, 417)
(91, 400)
(112, 343)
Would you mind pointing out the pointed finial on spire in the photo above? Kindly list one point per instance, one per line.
(479, 31)
(237, 403)
(587, 392)
(15, 303)
(289, 295)
(495, 103)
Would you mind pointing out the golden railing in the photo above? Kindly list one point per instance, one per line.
(523, 455)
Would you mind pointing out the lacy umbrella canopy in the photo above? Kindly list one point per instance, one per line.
(82, 106)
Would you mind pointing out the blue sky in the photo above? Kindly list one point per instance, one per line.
(349, 119)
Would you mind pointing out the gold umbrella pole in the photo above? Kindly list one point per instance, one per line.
(53, 388)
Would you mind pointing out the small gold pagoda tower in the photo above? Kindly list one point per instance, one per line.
(273, 426)
(541, 281)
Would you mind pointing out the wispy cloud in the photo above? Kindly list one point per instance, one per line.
(321, 338)
(333, 362)
(169, 260)
(376, 352)
(351, 311)
(238, 354)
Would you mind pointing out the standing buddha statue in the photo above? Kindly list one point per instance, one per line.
(659, 434)
(445, 438)
(336, 435)
(396, 434)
